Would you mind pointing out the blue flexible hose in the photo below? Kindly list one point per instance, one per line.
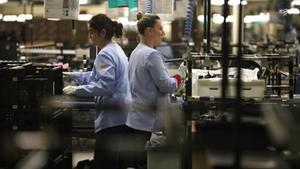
(149, 6)
(189, 20)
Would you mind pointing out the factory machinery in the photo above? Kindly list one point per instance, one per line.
(220, 119)
(37, 121)
(242, 114)
(219, 130)
(30, 128)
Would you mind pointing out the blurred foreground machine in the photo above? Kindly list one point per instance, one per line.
(23, 90)
(34, 135)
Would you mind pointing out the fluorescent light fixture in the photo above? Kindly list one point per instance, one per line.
(20, 19)
(200, 18)
(229, 18)
(249, 18)
(83, 2)
(217, 18)
(53, 19)
(230, 2)
(1, 16)
(261, 18)
(28, 16)
(217, 2)
(234, 2)
(84, 17)
(295, 2)
(24, 17)
(237, 2)
(3, 1)
(10, 18)
(294, 11)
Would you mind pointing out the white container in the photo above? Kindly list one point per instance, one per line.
(213, 87)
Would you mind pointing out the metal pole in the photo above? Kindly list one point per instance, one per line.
(205, 27)
(208, 26)
(225, 47)
(291, 78)
(237, 118)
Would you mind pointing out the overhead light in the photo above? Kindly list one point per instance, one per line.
(261, 18)
(53, 19)
(217, 18)
(200, 18)
(217, 2)
(83, 2)
(244, 2)
(10, 18)
(236, 2)
(3, 1)
(230, 2)
(229, 18)
(295, 2)
(1, 16)
(24, 17)
(84, 17)
(20, 19)
(294, 11)
(28, 16)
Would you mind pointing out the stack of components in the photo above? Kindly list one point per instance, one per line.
(32, 128)
(23, 88)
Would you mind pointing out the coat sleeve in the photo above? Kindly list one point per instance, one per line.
(83, 78)
(159, 73)
(102, 78)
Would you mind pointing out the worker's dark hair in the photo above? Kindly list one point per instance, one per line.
(112, 28)
(145, 21)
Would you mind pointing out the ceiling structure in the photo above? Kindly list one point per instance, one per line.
(36, 7)
(13, 7)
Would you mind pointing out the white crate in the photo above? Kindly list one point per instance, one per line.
(213, 88)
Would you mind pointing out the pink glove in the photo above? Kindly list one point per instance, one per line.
(178, 79)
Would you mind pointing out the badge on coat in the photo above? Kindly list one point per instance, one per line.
(101, 66)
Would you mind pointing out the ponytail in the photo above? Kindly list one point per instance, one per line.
(118, 29)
